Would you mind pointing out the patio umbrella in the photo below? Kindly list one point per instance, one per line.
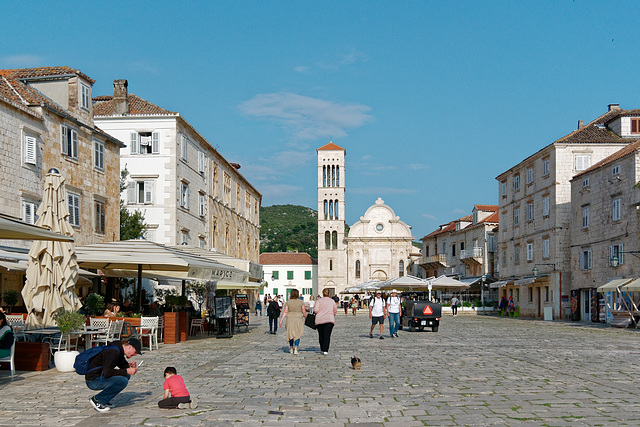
(11, 228)
(52, 271)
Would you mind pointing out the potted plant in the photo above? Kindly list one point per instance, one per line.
(10, 298)
(67, 321)
(95, 304)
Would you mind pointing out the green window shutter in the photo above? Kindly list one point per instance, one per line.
(289, 275)
(275, 291)
(307, 275)
(275, 275)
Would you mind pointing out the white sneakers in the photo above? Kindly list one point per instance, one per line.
(295, 350)
(191, 405)
(98, 406)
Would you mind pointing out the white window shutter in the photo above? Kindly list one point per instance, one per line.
(73, 150)
(148, 192)
(28, 213)
(29, 149)
(63, 143)
(131, 192)
(155, 143)
(133, 140)
(200, 161)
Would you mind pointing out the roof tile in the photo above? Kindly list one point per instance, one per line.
(286, 258)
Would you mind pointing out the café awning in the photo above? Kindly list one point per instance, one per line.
(633, 286)
(499, 284)
(525, 281)
(613, 285)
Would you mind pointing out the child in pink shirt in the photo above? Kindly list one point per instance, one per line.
(174, 386)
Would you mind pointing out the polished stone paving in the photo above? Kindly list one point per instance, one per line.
(476, 371)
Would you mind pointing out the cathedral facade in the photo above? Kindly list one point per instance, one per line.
(378, 246)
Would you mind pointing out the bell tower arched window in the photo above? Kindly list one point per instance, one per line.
(337, 176)
(335, 209)
(401, 268)
(327, 240)
(334, 240)
(330, 209)
(326, 209)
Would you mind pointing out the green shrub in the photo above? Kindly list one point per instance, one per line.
(94, 304)
(466, 304)
(10, 298)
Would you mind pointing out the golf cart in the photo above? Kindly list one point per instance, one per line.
(419, 313)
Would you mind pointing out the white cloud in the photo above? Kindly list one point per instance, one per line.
(417, 166)
(428, 216)
(381, 190)
(281, 164)
(300, 68)
(278, 193)
(458, 211)
(24, 60)
(307, 118)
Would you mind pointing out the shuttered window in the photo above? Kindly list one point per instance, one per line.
(69, 142)
(29, 212)
(100, 217)
(133, 142)
(30, 146)
(74, 209)
(98, 154)
(200, 162)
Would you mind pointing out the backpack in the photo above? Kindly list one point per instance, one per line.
(372, 304)
(83, 360)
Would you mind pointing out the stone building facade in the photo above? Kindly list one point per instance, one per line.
(535, 207)
(605, 222)
(464, 248)
(378, 246)
(46, 121)
(188, 192)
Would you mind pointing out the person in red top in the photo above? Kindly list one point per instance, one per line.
(174, 386)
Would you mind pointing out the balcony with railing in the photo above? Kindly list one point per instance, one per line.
(475, 255)
(439, 259)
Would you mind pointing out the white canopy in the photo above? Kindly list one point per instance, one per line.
(11, 228)
(405, 283)
(633, 286)
(613, 285)
(444, 282)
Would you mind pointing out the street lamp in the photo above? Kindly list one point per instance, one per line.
(483, 278)
(615, 261)
(535, 270)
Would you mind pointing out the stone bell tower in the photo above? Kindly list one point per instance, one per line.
(332, 253)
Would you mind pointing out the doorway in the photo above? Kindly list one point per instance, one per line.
(585, 300)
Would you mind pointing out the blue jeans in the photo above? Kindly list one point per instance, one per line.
(110, 387)
(394, 322)
(295, 343)
(273, 324)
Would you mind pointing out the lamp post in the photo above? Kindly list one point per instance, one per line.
(615, 260)
(535, 270)
(482, 279)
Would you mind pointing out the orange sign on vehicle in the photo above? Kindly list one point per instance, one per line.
(427, 310)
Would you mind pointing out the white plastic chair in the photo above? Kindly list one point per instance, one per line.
(161, 328)
(149, 328)
(9, 359)
(198, 325)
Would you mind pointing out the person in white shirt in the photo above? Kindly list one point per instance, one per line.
(393, 308)
(377, 313)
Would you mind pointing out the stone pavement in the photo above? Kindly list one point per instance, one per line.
(477, 370)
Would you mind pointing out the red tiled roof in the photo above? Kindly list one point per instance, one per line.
(331, 146)
(633, 146)
(596, 131)
(492, 208)
(286, 258)
(494, 217)
(27, 73)
(103, 106)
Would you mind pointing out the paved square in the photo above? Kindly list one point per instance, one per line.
(477, 370)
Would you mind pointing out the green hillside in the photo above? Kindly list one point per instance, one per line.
(289, 228)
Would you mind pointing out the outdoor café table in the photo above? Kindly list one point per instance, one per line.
(40, 334)
(88, 332)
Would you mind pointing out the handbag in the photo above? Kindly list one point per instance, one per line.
(310, 321)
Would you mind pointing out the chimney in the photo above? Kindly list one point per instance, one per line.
(614, 107)
(120, 97)
(580, 124)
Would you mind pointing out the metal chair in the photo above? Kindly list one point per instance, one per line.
(9, 359)
(161, 328)
(198, 325)
(17, 325)
(149, 328)
(112, 334)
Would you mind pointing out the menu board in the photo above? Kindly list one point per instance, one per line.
(223, 307)
(242, 302)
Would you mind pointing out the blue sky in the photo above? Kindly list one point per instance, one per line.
(431, 99)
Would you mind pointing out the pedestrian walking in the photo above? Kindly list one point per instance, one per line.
(258, 307)
(455, 302)
(176, 395)
(325, 310)
(273, 311)
(312, 303)
(377, 313)
(295, 314)
(393, 308)
(354, 305)
(345, 305)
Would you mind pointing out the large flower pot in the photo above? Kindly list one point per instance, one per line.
(64, 360)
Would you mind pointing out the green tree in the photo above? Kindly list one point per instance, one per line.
(132, 225)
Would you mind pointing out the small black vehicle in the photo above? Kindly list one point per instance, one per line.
(419, 313)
